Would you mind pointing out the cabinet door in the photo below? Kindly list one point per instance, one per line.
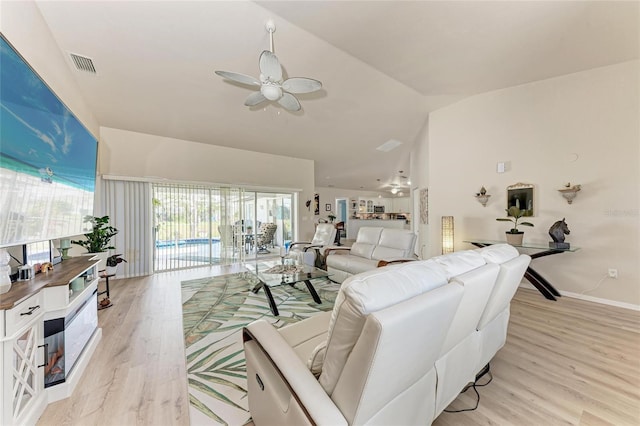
(401, 205)
(23, 381)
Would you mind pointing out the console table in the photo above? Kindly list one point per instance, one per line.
(534, 277)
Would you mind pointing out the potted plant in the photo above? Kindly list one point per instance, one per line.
(514, 237)
(97, 241)
(112, 263)
(331, 217)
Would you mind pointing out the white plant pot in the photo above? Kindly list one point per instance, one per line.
(111, 270)
(514, 239)
(102, 257)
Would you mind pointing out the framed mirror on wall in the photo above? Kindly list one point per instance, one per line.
(521, 195)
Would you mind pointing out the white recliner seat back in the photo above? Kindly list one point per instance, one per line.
(389, 376)
(325, 235)
(457, 364)
(478, 285)
(363, 294)
(368, 237)
(394, 244)
(494, 321)
(512, 268)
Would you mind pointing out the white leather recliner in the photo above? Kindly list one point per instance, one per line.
(374, 247)
(375, 353)
(311, 250)
(400, 344)
(493, 323)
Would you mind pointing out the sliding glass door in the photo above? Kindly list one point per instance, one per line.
(199, 226)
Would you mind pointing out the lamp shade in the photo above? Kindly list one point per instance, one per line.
(447, 234)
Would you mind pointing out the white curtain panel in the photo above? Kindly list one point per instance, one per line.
(129, 206)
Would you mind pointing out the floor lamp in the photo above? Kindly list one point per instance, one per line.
(447, 234)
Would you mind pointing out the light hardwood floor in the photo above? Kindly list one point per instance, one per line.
(567, 362)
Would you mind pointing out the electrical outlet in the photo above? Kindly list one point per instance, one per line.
(613, 273)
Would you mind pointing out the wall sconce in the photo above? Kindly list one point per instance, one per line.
(482, 197)
(569, 192)
(447, 234)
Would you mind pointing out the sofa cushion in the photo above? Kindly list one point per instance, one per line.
(498, 253)
(366, 241)
(363, 250)
(353, 264)
(369, 234)
(394, 244)
(369, 292)
(460, 262)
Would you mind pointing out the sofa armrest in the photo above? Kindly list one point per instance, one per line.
(382, 263)
(312, 247)
(328, 250)
(283, 390)
(298, 243)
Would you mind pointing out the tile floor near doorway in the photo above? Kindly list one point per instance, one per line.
(566, 362)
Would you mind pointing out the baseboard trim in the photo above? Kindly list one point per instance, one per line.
(580, 296)
(601, 301)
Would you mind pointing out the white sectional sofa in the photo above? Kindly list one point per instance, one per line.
(372, 246)
(400, 344)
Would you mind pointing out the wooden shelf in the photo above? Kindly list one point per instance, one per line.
(61, 274)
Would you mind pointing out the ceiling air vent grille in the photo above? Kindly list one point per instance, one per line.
(83, 63)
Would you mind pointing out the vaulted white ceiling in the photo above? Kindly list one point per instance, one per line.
(383, 64)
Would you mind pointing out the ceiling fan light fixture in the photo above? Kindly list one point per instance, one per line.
(273, 93)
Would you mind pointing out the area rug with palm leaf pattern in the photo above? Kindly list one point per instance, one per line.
(214, 310)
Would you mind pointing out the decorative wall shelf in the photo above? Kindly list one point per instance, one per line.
(569, 192)
(482, 197)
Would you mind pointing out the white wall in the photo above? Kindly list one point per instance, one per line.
(132, 154)
(420, 180)
(23, 25)
(582, 128)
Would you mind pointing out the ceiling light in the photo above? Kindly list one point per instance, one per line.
(394, 191)
(389, 145)
(409, 182)
(271, 92)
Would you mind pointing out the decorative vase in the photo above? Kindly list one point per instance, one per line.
(515, 239)
(111, 270)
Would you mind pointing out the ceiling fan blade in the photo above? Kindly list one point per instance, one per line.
(270, 66)
(237, 77)
(301, 85)
(254, 99)
(289, 102)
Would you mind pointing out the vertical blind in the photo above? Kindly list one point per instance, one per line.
(128, 205)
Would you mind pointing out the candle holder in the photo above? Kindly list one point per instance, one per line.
(65, 245)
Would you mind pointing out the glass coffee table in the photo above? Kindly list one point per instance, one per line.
(272, 274)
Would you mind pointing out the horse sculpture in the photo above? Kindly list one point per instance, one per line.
(558, 230)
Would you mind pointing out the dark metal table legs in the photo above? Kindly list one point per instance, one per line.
(267, 292)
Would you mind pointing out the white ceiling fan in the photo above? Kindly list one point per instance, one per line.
(272, 86)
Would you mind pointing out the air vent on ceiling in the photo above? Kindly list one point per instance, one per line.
(83, 63)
